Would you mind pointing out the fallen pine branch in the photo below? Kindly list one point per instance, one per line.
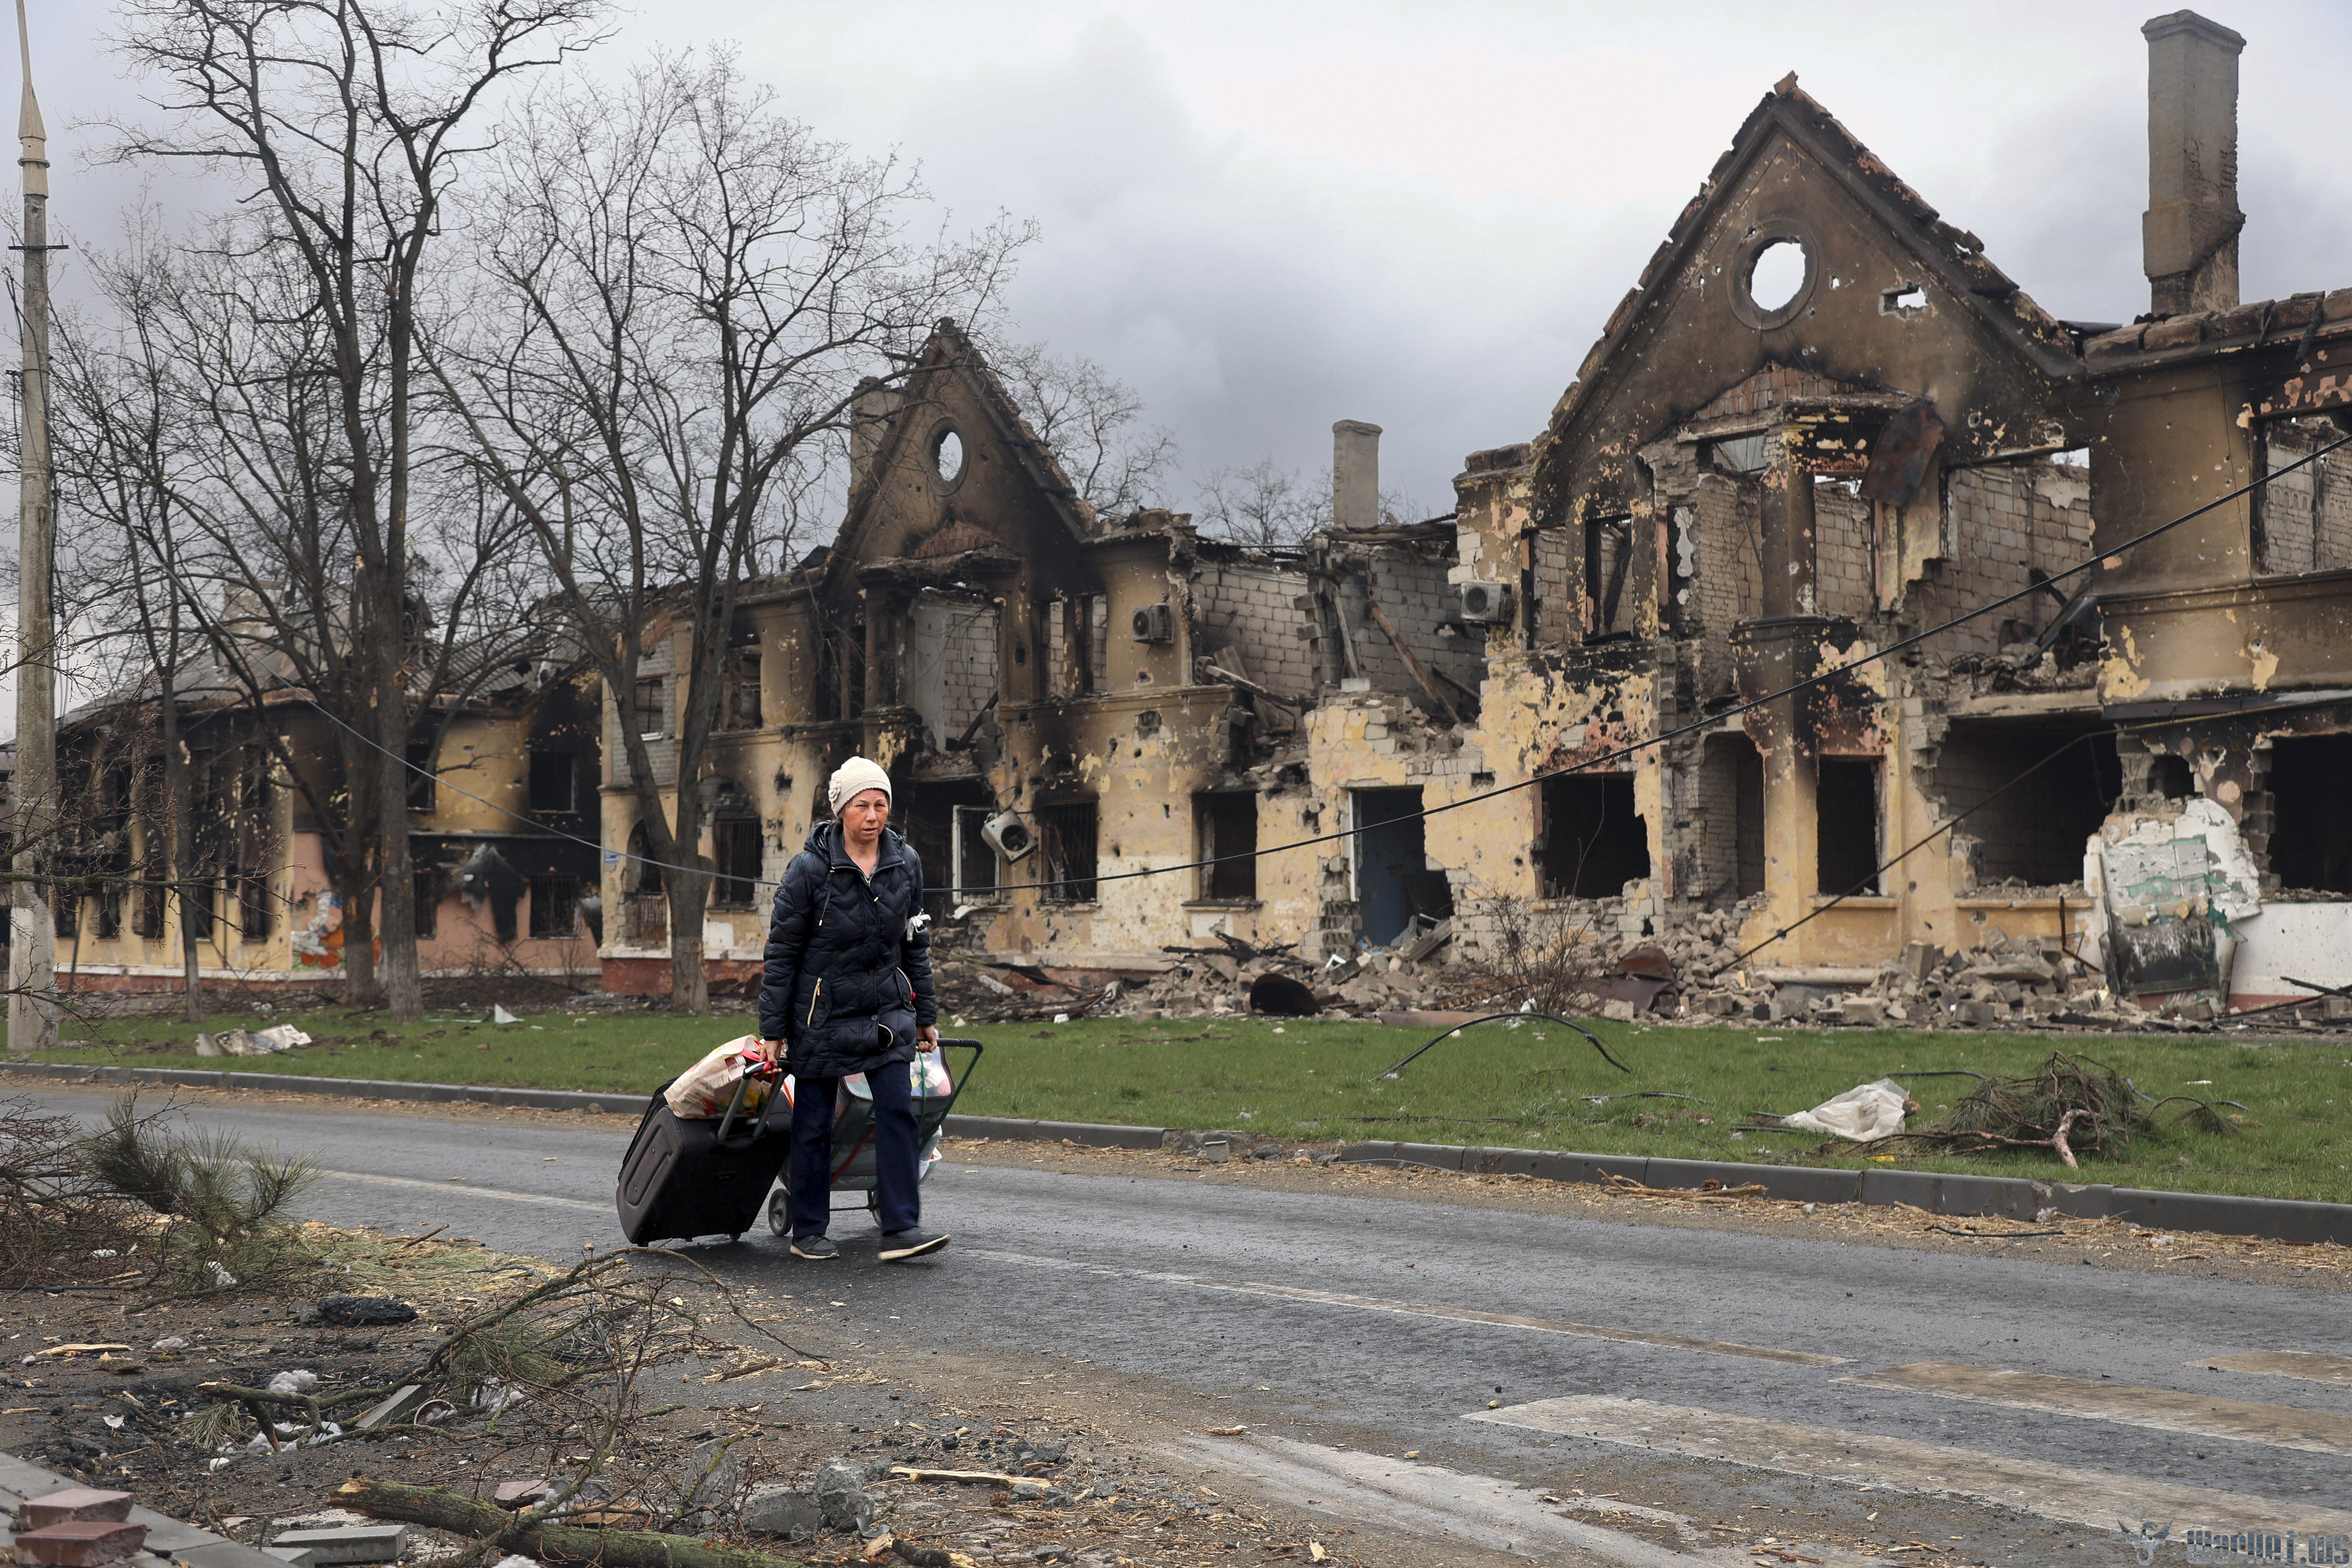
(532, 1536)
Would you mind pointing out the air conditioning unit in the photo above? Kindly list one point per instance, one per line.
(1008, 835)
(1154, 622)
(1487, 603)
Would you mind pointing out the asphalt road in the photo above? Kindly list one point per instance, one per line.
(1352, 1319)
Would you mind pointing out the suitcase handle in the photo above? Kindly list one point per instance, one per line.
(735, 1104)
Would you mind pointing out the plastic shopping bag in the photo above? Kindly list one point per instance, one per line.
(708, 1088)
(928, 1076)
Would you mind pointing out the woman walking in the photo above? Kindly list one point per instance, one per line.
(848, 990)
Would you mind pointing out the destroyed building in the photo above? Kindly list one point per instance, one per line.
(502, 813)
(1823, 422)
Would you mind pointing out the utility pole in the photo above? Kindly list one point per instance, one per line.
(33, 933)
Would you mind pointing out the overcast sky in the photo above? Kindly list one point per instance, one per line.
(1267, 216)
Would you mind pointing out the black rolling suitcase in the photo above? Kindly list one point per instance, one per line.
(685, 1178)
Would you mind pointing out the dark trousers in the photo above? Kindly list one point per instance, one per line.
(896, 1152)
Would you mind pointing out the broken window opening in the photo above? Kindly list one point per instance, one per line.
(1847, 833)
(1066, 842)
(423, 788)
(1905, 300)
(1608, 559)
(2311, 815)
(1750, 454)
(735, 846)
(974, 862)
(427, 901)
(1398, 894)
(554, 905)
(739, 701)
(2168, 776)
(1225, 821)
(554, 784)
(936, 816)
(2302, 519)
(647, 714)
(2034, 807)
(1590, 841)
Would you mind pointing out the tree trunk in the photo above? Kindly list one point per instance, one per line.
(689, 983)
(182, 834)
(403, 980)
(547, 1542)
(361, 987)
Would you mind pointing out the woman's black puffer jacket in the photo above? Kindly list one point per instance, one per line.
(844, 955)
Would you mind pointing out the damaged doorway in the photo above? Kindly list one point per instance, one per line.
(1590, 841)
(1393, 881)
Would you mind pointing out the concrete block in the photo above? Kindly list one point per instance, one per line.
(219, 1554)
(350, 1544)
(296, 1556)
(404, 1399)
(74, 1505)
(80, 1543)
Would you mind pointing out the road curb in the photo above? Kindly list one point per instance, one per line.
(1936, 1191)
(1939, 1193)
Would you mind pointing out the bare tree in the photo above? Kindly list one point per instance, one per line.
(196, 435)
(1263, 505)
(348, 122)
(1089, 421)
(686, 285)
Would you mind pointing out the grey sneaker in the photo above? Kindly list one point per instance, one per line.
(815, 1249)
(897, 1245)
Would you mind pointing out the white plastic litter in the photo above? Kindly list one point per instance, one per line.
(222, 1277)
(1863, 1113)
(297, 1382)
(174, 1342)
(251, 1042)
(500, 1016)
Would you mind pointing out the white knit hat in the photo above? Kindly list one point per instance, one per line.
(853, 776)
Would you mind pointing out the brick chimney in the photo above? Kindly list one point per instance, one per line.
(1355, 474)
(2188, 235)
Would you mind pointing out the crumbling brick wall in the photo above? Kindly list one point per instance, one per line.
(2000, 520)
(1842, 551)
(1265, 612)
(1556, 617)
(658, 659)
(1421, 604)
(969, 655)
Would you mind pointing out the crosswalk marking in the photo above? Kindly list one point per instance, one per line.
(2162, 1409)
(1897, 1464)
(2309, 1365)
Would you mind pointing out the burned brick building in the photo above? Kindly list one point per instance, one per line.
(1821, 422)
(1824, 421)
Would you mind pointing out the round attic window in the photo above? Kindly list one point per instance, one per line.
(1773, 273)
(947, 455)
(1777, 272)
